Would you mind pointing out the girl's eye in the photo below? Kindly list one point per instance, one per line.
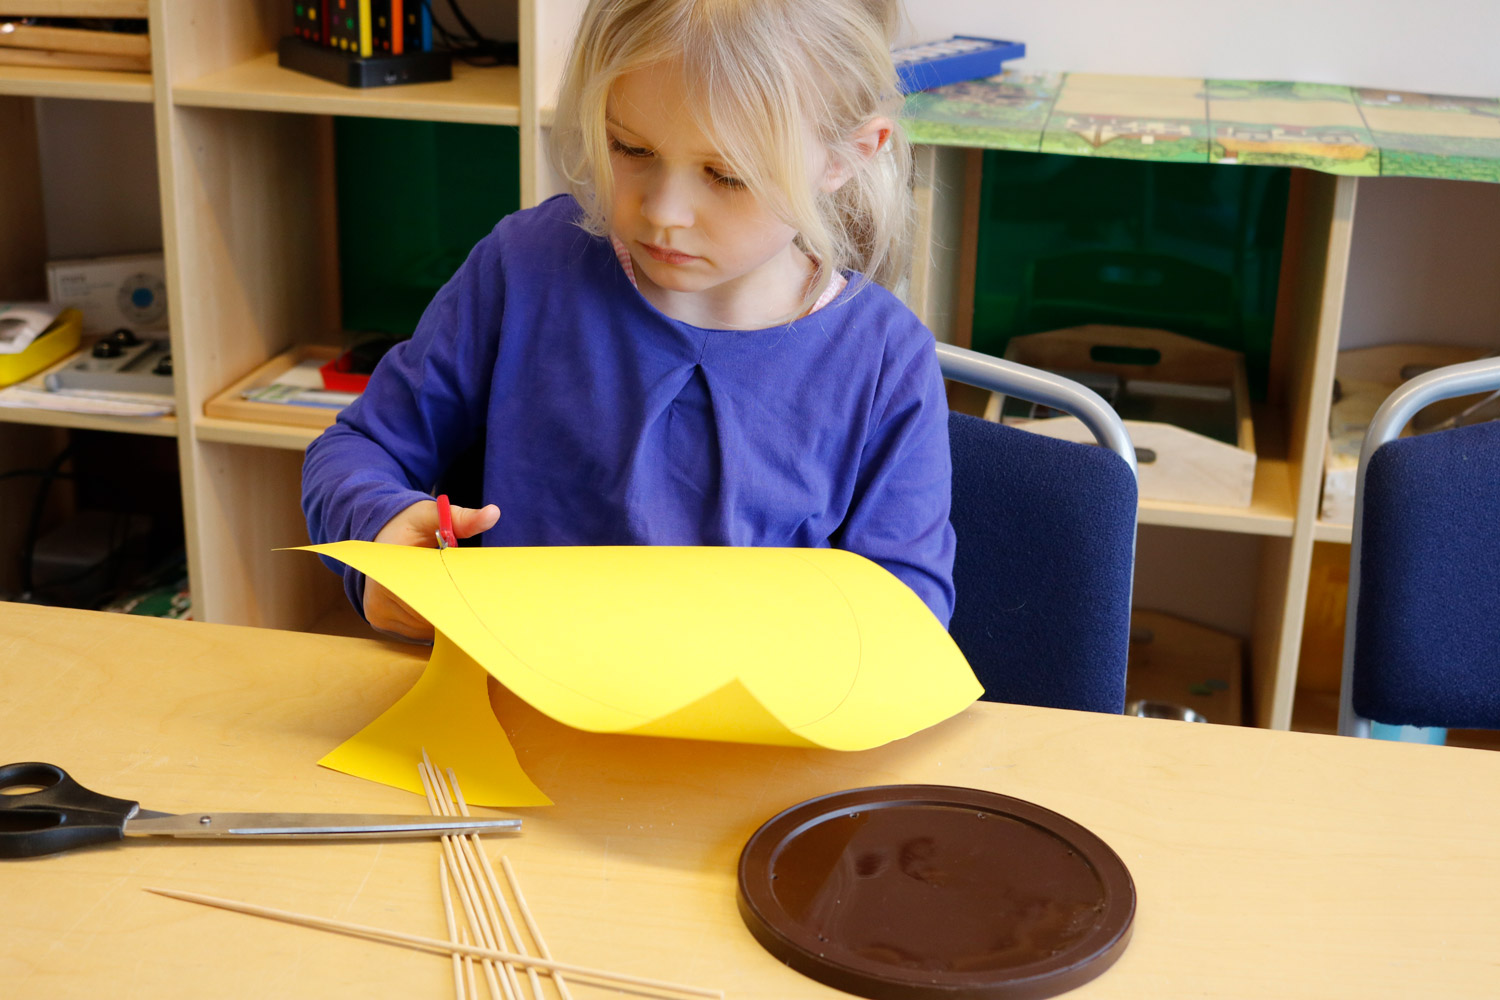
(636, 152)
(725, 180)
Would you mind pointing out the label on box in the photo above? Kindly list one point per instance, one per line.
(112, 292)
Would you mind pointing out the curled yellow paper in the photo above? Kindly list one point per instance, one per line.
(797, 647)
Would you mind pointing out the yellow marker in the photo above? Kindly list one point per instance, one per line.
(366, 45)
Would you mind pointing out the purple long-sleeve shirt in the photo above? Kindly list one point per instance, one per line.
(606, 422)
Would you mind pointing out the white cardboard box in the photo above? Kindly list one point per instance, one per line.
(111, 292)
(1366, 376)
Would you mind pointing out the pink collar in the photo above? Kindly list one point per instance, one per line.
(829, 294)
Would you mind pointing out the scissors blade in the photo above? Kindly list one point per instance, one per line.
(298, 826)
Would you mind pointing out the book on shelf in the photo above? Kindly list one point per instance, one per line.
(300, 385)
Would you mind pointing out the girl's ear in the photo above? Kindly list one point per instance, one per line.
(866, 141)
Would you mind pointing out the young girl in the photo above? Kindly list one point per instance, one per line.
(692, 348)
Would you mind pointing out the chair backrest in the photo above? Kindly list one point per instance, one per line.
(1046, 544)
(1422, 635)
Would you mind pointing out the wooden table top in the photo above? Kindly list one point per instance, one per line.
(1265, 863)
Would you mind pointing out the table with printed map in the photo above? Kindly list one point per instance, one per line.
(1359, 131)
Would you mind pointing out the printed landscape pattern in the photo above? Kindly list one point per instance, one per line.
(1361, 131)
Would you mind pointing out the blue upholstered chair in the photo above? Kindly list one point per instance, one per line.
(1422, 637)
(1046, 543)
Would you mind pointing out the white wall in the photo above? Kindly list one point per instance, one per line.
(1436, 46)
(99, 185)
(1208, 577)
(1425, 266)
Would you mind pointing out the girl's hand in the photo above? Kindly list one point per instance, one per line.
(418, 525)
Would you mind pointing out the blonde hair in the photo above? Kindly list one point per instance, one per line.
(765, 74)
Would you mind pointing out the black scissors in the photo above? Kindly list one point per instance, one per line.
(56, 813)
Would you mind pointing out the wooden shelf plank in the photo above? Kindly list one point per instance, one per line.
(164, 426)
(1269, 513)
(150, 426)
(1327, 531)
(254, 434)
(231, 404)
(489, 96)
(23, 38)
(80, 84)
(74, 8)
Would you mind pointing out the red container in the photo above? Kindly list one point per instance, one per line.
(338, 375)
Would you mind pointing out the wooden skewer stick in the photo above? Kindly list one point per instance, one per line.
(492, 902)
(469, 966)
(531, 925)
(497, 990)
(489, 873)
(499, 986)
(437, 946)
(458, 964)
(483, 894)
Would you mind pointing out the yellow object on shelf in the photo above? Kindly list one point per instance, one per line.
(54, 343)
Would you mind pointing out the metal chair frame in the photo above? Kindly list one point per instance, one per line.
(998, 375)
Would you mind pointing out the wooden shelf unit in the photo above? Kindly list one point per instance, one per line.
(245, 164)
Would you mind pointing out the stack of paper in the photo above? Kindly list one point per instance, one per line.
(112, 404)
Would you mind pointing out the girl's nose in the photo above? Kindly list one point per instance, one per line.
(667, 201)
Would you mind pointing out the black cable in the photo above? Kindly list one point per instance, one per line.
(437, 26)
(463, 21)
(476, 50)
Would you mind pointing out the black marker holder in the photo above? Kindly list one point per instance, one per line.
(370, 71)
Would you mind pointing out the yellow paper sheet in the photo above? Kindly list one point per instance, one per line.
(797, 647)
(447, 714)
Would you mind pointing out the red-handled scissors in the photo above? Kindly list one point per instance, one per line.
(445, 535)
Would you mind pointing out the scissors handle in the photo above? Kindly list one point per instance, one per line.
(445, 536)
(60, 816)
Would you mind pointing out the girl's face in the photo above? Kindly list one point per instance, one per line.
(706, 250)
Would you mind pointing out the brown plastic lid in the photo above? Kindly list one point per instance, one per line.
(911, 892)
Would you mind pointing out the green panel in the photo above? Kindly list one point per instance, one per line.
(413, 199)
(1194, 249)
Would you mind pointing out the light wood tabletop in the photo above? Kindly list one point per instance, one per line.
(1265, 863)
